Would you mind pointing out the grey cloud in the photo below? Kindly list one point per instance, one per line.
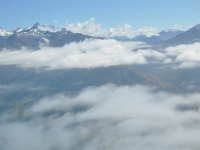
(107, 117)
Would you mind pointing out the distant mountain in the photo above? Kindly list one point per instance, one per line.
(160, 38)
(188, 37)
(153, 40)
(169, 34)
(38, 35)
(44, 35)
(121, 38)
(172, 37)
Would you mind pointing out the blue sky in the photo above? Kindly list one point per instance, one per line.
(157, 13)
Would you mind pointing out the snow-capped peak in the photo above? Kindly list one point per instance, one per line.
(45, 28)
(38, 29)
(3, 32)
(19, 30)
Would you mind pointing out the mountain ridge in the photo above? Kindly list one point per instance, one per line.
(190, 36)
(38, 35)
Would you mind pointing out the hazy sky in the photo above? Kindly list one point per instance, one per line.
(139, 13)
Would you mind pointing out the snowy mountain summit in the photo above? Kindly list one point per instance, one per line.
(38, 35)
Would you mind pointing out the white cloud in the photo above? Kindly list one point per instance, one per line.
(148, 31)
(90, 27)
(109, 118)
(86, 54)
(102, 53)
(187, 56)
(124, 30)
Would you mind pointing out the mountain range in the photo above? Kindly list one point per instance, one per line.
(38, 35)
(45, 35)
(168, 38)
(161, 38)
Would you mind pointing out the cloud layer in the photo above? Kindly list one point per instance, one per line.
(102, 53)
(186, 56)
(107, 117)
(86, 54)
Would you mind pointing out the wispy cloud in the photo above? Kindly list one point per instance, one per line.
(107, 117)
